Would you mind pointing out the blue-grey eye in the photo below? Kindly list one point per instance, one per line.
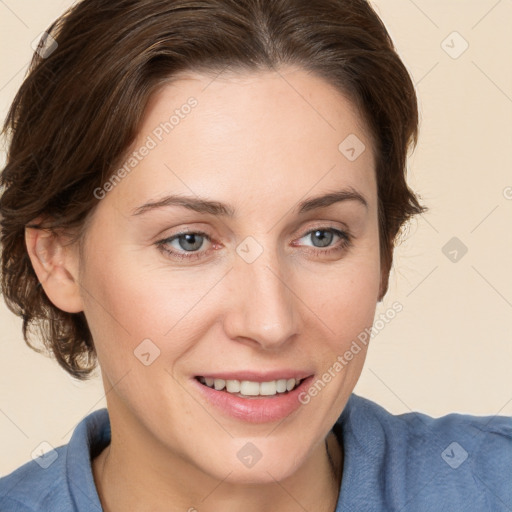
(320, 234)
(189, 241)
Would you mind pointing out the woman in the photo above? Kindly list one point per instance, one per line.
(203, 197)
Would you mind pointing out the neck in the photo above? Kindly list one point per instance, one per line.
(126, 480)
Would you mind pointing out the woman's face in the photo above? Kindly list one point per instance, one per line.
(268, 285)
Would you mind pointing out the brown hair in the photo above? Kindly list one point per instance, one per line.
(79, 108)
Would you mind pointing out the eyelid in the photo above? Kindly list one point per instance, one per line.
(344, 243)
(184, 256)
(345, 236)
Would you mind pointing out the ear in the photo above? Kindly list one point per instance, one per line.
(56, 264)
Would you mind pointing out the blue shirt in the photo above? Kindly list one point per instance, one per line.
(408, 462)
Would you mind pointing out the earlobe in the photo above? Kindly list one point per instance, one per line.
(56, 267)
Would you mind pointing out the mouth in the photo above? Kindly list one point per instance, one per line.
(252, 397)
(251, 389)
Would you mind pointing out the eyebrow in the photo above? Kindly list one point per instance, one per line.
(217, 208)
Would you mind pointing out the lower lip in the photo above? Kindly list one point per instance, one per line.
(255, 410)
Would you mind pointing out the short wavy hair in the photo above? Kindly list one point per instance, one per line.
(81, 104)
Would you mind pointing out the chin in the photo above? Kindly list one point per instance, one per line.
(260, 461)
(260, 474)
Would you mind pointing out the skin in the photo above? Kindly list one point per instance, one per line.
(258, 144)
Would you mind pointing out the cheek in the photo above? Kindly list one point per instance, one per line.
(345, 299)
(348, 314)
(128, 303)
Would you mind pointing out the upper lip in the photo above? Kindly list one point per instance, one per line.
(255, 376)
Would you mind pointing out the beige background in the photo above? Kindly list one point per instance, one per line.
(450, 348)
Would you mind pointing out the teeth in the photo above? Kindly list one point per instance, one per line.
(250, 388)
(219, 384)
(268, 388)
(281, 385)
(233, 386)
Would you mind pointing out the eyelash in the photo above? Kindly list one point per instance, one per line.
(345, 243)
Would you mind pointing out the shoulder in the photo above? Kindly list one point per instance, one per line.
(33, 483)
(456, 460)
(50, 481)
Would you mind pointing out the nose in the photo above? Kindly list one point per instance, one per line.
(262, 307)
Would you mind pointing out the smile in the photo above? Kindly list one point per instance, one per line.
(247, 388)
(253, 397)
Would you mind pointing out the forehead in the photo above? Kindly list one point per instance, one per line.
(254, 134)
